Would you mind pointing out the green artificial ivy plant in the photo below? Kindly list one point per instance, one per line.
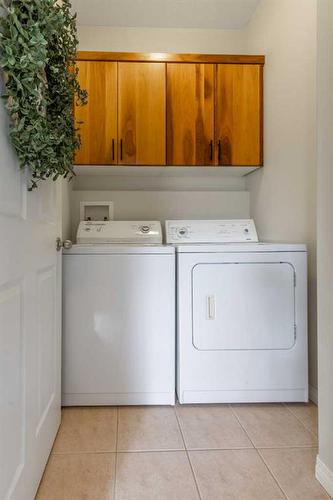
(38, 44)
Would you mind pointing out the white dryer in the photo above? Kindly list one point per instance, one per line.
(241, 314)
(119, 316)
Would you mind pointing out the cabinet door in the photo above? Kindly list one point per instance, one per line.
(239, 114)
(141, 118)
(190, 114)
(98, 129)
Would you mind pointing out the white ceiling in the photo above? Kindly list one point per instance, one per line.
(214, 14)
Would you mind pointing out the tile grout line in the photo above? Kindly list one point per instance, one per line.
(94, 452)
(179, 450)
(258, 453)
(117, 428)
(301, 422)
(187, 454)
(240, 423)
(271, 472)
(116, 455)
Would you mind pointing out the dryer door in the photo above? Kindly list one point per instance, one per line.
(243, 305)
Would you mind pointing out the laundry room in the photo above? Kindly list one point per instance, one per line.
(166, 280)
(281, 196)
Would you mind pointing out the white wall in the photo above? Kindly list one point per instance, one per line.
(162, 201)
(160, 178)
(65, 189)
(163, 205)
(282, 194)
(325, 242)
(161, 40)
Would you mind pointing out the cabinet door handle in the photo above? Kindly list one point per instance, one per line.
(211, 150)
(112, 149)
(219, 151)
(121, 149)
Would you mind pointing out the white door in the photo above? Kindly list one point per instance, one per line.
(243, 305)
(30, 288)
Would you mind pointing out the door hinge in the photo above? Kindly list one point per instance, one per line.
(295, 332)
(294, 279)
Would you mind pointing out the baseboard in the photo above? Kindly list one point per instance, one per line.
(243, 396)
(119, 399)
(313, 394)
(324, 476)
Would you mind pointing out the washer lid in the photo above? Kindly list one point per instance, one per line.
(211, 231)
(119, 232)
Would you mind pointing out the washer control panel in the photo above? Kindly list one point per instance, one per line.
(211, 231)
(136, 232)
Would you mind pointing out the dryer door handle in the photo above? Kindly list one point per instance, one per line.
(211, 309)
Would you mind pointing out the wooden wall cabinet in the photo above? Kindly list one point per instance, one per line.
(141, 113)
(171, 109)
(98, 119)
(238, 119)
(190, 114)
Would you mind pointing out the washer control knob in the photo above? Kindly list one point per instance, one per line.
(145, 229)
(182, 231)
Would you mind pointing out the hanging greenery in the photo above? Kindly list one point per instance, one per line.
(38, 44)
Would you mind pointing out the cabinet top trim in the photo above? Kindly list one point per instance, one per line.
(169, 57)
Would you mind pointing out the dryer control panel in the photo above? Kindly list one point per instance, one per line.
(211, 231)
(136, 232)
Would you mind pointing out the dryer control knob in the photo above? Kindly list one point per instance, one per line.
(145, 229)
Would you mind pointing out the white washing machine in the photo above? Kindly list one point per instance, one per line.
(241, 314)
(119, 316)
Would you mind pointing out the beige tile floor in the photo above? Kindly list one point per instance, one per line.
(210, 452)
